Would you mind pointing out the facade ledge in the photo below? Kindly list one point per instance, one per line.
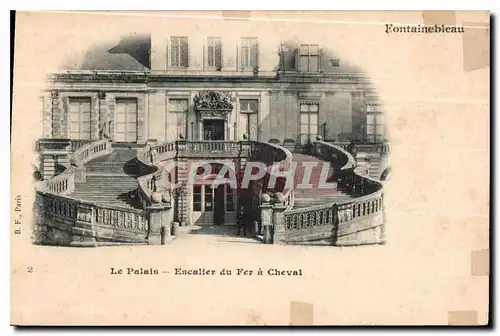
(204, 75)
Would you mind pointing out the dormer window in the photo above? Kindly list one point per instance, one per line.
(309, 58)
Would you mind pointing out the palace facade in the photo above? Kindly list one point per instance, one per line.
(129, 109)
(280, 92)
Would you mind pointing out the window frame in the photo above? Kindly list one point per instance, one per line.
(309, 124)
(309, 55)
(176, 42)
(212, 42)
(229, 198)
(206, 193)
(374, 120)
(134, 101)
(248, 113)
(178, 114)
(248, 43)
(80, 122)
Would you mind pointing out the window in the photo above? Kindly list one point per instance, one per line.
(178, 109)
(197, 200)
(308, 122)
(179, 52)
(375, 129)
(249, 105)
(230, 199)
(204, 197)
(249, 52)
(214, 52)
(209, 204)
(249, 109)
(126, 120)
(309, 58)
(79, 118)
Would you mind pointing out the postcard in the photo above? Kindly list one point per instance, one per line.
(250, 168)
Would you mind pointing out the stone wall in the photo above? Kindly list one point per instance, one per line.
(341, 106)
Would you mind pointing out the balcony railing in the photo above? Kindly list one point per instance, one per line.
(263, 152)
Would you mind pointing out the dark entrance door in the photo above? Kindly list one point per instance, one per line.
(213, 129)
(219, 205)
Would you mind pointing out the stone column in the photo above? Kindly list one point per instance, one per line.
(266, 213)
(279, 235)
(159, 215)
(83, 231)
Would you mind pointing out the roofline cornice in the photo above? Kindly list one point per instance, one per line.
(203, 76)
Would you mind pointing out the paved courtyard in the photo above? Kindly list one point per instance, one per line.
(213, 233)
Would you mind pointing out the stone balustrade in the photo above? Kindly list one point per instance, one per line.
(77, 144)
(91, 151)
(352, 222)
(63, 220)
(62, 184)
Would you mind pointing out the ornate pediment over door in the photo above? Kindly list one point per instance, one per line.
(213, 104)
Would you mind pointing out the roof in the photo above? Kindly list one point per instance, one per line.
(131, 53)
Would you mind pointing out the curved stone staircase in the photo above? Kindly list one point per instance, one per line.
(111, 180)
(105, 196)
(314, 195)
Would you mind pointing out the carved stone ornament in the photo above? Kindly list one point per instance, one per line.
(101, 95)
(213, 104)
(213, 113)
(54, 94)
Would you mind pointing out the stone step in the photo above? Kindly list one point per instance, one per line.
(107, 181)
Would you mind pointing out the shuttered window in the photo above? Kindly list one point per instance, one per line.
(179, 52)
(308, 123)
(126, 120)
(79, 118)
(214, 52)
(249, 52)
(375, 129)
(178, 109)
(309, 57)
